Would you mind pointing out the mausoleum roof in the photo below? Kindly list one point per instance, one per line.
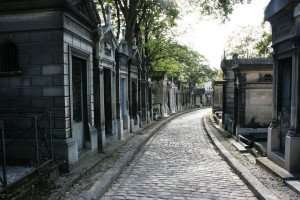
(275, 6)
(254, 63)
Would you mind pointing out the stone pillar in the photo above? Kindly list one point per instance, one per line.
(102, 115)
(119, 118)
(274, 130)
(292, 143)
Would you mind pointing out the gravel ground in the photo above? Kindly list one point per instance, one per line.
(272, 182)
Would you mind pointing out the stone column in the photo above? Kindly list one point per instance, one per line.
(274, 130)
(292, 143)
(118, 107)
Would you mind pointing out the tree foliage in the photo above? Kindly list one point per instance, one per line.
(179, 61)
(218, 8)
(263, 46)
(250, 42)
(149, 23)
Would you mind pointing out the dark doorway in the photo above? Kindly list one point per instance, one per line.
(144, 110)
(169, 100)
(108, 102)
(284, 98)
(80, 104)
(123, 102)
(134, 101)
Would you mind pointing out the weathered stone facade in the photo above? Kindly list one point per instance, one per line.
(253, 97)
(168, 96)
(283, 133)
(55, 53)
(217, 104)
(228, 92)
(66, 64)
(123, 56)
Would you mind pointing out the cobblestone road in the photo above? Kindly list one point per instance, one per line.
(179, 163)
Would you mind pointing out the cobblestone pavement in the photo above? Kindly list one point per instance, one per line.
(179, 163)
(272, 182)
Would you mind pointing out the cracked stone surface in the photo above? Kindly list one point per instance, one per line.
(179, 163)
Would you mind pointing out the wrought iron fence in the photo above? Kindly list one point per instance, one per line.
(35, 130)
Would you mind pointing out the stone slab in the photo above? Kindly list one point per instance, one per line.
(274, 168)
(238, 146)
(294, 185)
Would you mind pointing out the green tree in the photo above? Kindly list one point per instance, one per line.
(179, 61)
(263, 46)
(250, 41)
(218, 8)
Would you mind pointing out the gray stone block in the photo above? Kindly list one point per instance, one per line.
(76, 42)
(59, 80)
(53, 91)
(59, 123)
(66, 69)
(68, 38)
(4, 82)
(66, 47)
(33, 91)
(52, 69)
(42, 81)
(66, 58)
(31, 70)
(67, 90)
(42, 102)
(67, 101)
(59, 102)
(38, 36)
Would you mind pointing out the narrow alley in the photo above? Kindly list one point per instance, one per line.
(179, 163)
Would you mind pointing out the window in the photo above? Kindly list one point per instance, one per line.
(9, 64)
(266, 77)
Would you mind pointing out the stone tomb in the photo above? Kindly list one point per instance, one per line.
(160, 94)
(123, 57)
(228, 92)
(53, 45)
(253, 97)
(217, 105)
(134, 71)
(108, 79)
(284, 132)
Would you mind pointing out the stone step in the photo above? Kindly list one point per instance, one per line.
(238, 146)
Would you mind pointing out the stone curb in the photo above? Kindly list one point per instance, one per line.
(101, 186)
(253, 183)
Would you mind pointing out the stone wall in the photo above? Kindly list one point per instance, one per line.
(258, 108)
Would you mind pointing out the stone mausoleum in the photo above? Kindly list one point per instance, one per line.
(46, 64)
(253, 97)
(228, 95)
(284, 131)
(217, 104)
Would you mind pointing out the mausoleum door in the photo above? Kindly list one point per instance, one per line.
(108, 102)
(134, 100)
(123, 100)
(80, 111)
(284, 97)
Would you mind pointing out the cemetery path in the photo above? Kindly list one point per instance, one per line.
(179, 162)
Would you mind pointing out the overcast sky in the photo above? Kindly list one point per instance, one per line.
(208, 36)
